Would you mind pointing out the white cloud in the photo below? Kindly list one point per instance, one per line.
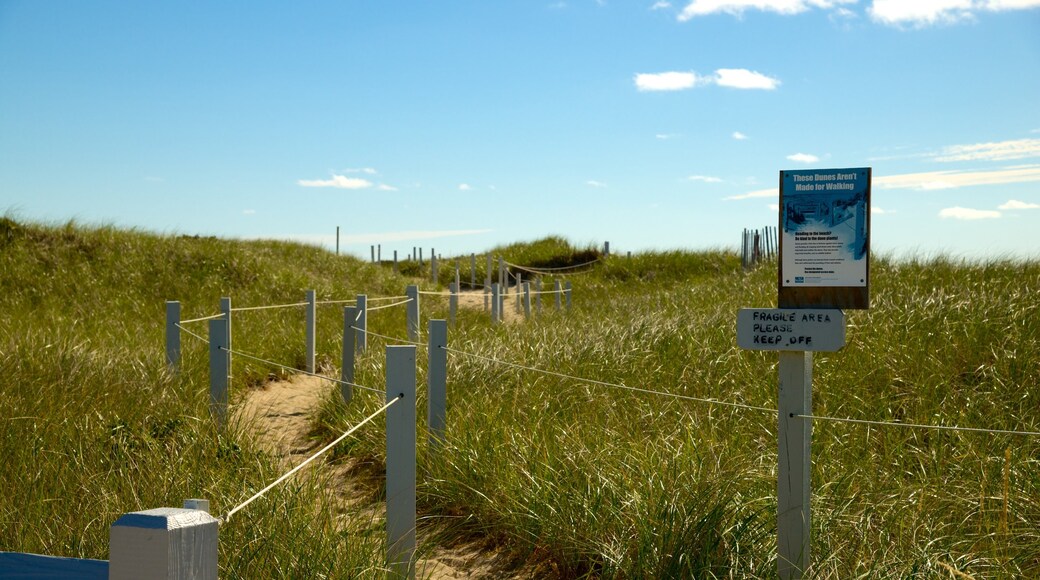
(773, 192)
(465, 187)
(594, 183)
(338, 181)
(666, 81)
(774, 206)
(934, 180)
(737, 7)
(803, 158)
(967, 213)
(705, 178)
(739, 136)
(1015, 204)
(920, 13)
(999, 151)
(878, 211)
(248, 211)
(666, 136)
(385, 187)
(660, 5)
(741, 78)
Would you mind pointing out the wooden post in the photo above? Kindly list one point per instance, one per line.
(793, 521)
(472, 271)
(606, 249)
(346, 373)
(420, 257)
(559, 294)
(395, 261)
(173, 335)
(487, 296)
(168, 543)
(496, 303)
(538, 295)
(527, 299)
(433, 266)
(453, 302)
(567, 290)
(413, 312)
(437, 382)
(225, 309)
(337, 240)
(400, 460)
(487, 274)
(379, 253)
(362, 323)
(519, 285)
(373, 250)
(219, 365)
(309, 341)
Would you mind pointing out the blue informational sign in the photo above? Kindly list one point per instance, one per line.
(824, 217)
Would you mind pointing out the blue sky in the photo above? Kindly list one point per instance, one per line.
(460, 125)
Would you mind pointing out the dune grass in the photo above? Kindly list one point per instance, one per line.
(577, 479)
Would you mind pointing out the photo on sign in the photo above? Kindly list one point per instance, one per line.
(824, 217)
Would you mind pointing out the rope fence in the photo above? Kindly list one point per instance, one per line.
(249, 308)
(374, 308)
(204, 318)
(294, 369)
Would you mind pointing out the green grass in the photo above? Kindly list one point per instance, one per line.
(578, 480)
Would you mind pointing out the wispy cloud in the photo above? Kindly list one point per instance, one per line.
(733, 78)
(921, 14)
(738, 7)
(998, 151)
(803, 158)
(666, 136)
(666, 81)
(385, 187)
(741, 78)
(967, 213)
(705, 178)
(465, 187)
(936, 180)
(739, 136)
(660, 5)
(594, 183)
(878, 211)
(248, 211)
(338, 181)
(1015, 204)
(773, 192)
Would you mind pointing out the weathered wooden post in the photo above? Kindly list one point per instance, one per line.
(373, 250)
(420, 257)
(346, 373)
(437, 382)
(567, 289)
(173, 335)
(219, 365)
(379, 253)
(168, 543)
(496, 304)
(400, 460)
(538, 295)
(395, 261)
(337, 240)
(558, 293)
(795, 465)
(519, 286)
(433, 266)
(527, 299)
(472, 271)
(412, 292)
(309, 340)
(453, 302)
(606, 249)
(362, 323)
(225, 309)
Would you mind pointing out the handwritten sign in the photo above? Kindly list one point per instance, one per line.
(813, 329)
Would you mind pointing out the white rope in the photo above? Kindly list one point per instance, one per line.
(435, 293)
(550, 270)
(268, 308)
(295, 370)
(191, 333)
(321, 452)
(916, 425)
(373, 309)
(214, 317)
(336, 301)
(382, 298)
(611, 385)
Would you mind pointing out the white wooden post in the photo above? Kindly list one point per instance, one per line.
(400, 460)
(167, 543)
(309, 340)
(219, 364)
(793, 522)
(453, 302)
(346, 372)
(173, 335)
(538, 295)
(557, 292)
(362, 323)
(437, 382)
(527, 299)
(496, 304)
(567, 290)
(412, 292)
(225, 309)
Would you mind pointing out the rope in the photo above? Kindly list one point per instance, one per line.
(916, 425)
(611, 385)
(435, 293)
(269, 307)
(192, 333)
(227, 516)
(336, 301)
(215, 316)
(373, 309)
(381, 298)
(548, 270)
(390, 338)
(310, 374)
